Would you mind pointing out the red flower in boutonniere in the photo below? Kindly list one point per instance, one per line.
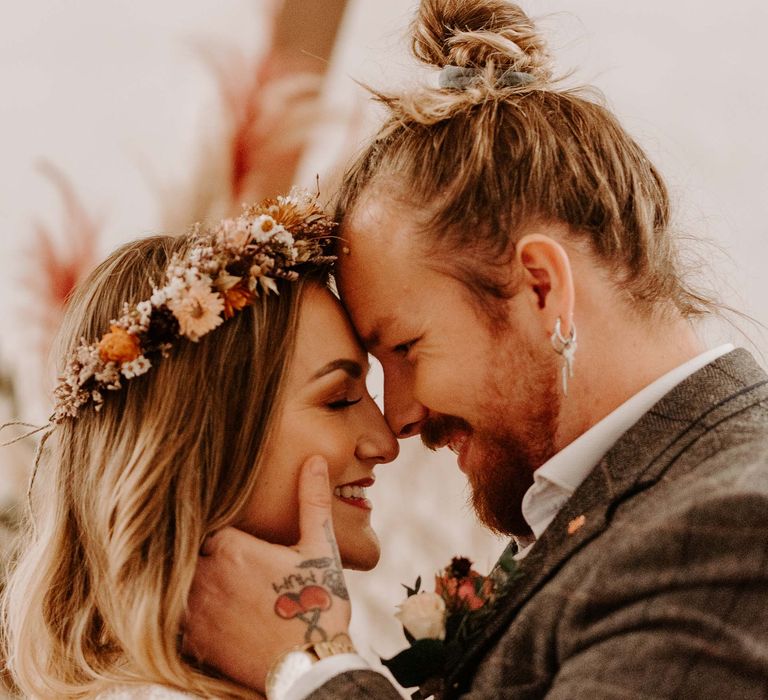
(461, 587)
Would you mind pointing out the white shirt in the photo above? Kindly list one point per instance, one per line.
(555, 481)
(553, 484)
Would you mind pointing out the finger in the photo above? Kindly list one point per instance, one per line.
(228, 540)
(215, 542)
(208, 547)
(315, 524)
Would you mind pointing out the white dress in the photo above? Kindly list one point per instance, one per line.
(143, 692)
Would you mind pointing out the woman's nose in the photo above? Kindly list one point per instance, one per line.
(377, 443)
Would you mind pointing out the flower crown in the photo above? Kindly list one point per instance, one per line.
(224, 271)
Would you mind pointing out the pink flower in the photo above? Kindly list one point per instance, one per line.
(198, 310)
(466, 593)
(462, 587)
(234, 232)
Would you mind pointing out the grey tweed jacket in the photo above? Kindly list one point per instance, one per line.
(652, 581)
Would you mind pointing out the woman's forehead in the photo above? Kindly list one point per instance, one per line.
(324, 335)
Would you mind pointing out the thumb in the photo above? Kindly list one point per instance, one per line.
(315, 520)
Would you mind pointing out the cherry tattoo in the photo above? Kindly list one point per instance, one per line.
(307, 605)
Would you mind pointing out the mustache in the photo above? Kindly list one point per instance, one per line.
(436, 431)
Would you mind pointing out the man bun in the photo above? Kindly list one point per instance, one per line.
(500, 143)
(485, 34)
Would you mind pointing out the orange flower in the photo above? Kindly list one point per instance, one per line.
(236, 299)
(119, 346)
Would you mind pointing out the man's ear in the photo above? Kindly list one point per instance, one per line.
(547, 279)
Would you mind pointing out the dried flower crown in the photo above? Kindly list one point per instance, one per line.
(224, 270)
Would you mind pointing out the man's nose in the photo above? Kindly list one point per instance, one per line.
(404, 414)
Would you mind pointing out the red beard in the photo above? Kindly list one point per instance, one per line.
(518, 439)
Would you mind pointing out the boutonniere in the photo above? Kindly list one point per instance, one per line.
(438, 625)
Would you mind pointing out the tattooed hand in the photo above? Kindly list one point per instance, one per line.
(251, 600)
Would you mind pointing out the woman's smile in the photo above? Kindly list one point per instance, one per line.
(354, 493)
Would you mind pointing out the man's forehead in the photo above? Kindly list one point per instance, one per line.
(377, 268)
(368, 269)
(381, 223)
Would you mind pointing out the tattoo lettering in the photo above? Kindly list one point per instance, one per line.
(294, 581)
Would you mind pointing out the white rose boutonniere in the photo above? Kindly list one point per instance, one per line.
(423, 616)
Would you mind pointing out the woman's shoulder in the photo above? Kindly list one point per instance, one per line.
(143, 692)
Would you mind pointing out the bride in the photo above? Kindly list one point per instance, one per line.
(200, 373)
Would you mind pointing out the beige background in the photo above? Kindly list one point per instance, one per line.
(114, 92)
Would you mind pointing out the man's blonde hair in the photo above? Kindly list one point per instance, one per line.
(122, 502)
(481, 161)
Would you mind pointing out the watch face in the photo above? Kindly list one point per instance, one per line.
(288, 669)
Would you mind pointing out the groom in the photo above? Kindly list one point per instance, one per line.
(639, 499)
(509, 262)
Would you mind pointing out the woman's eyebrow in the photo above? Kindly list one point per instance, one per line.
(352, 367)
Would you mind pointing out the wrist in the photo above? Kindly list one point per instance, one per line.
(295, 662)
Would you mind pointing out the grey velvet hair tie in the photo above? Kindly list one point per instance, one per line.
(460, 77)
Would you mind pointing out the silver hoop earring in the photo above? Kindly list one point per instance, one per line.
(565, 347)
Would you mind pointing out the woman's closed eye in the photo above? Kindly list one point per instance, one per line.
(340, 404)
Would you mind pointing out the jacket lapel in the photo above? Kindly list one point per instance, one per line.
(714, 393)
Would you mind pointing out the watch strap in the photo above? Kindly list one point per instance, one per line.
(340, 644)
(295, 662)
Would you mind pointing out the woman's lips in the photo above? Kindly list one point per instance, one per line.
(354, 493)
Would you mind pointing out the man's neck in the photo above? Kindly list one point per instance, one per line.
(613, 366)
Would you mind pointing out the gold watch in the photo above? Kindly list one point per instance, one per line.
(295, 662)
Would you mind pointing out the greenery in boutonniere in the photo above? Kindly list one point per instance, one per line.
(438, 625)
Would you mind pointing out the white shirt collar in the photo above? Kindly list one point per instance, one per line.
(556, 480)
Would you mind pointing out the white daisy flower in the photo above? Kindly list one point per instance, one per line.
(159, 297)
(135, 368)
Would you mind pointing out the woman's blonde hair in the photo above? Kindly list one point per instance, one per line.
(485, 159)
(123, 501)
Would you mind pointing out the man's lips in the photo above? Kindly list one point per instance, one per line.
(353, 493)
(458, 443)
